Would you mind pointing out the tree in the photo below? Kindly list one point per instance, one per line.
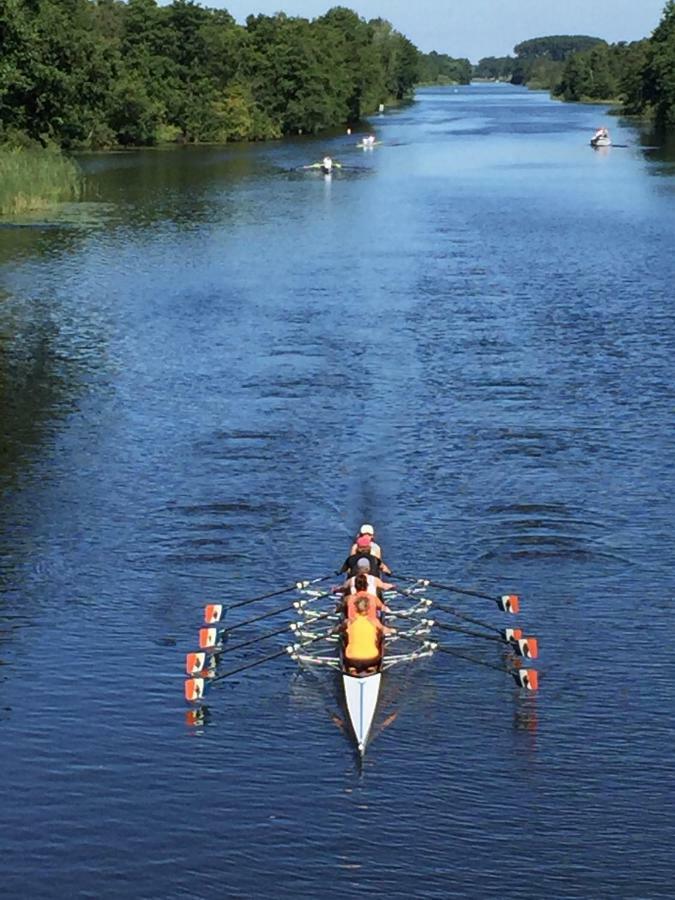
(659, 74)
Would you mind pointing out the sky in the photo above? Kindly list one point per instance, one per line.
(479, 28)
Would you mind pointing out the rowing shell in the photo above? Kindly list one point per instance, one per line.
(361, 693)
(361, 696)
(316, 643)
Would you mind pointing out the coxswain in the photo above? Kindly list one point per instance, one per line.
(363, 640)
(375, 604)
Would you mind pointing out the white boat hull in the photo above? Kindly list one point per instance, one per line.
(361, 696)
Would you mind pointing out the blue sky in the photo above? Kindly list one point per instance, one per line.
(477, 28)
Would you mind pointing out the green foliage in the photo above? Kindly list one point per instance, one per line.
(497, 68)
(556, 47)
(539, 62)
(437, 68)
(659, 71)
(641, 75)
(96, 73)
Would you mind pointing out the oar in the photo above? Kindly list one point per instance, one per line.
(195, 687)
(209, 636)
(195, 662)
(527, 678)
(507, 602)
(293, 587)
(214, 612)
(513, 637)
(507, 634)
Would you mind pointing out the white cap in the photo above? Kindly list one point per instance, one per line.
(367, 529)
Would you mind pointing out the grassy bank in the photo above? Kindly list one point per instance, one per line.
(36, 179)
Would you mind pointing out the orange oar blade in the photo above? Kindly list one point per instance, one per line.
(213, 613)
(194, 663)
(194, 717)
(208, 638)
(528, 647)
(527, 678)
(509, 603)
(194, 689)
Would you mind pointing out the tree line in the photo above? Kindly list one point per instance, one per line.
(639, 76)
(100, 73)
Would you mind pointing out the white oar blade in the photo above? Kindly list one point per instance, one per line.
(194, 689)
(512, 635)
(509, 603)
(194, 663)
(527, 678)
(528, 647)
(208, 638)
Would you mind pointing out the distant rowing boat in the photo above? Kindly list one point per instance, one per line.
(601, 138)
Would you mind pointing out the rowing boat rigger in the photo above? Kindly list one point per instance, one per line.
(418, 620)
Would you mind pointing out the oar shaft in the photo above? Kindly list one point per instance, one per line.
(448, 587)
(265, 659)
(459, 630)
(251, 665)
(479, 662)
(263, 637)
(268, 615)
(279, 593)
(460, 615)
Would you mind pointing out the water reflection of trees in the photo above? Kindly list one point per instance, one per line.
(35, 384)
(658, 145)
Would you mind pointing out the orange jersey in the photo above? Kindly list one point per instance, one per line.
(374, 606)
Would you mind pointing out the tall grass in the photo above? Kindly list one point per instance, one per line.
(36, 179)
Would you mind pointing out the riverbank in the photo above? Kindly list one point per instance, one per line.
(36, 179)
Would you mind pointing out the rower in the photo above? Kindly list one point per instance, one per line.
(375, 604)
(375, 584)
(363, 549)
(351, 564)
(363, 641)
(327, 165)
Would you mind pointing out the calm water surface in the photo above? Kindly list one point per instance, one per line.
(211, 372)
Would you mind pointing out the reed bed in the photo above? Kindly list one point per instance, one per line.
(33, 180)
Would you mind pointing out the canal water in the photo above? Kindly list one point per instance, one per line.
(212, 371)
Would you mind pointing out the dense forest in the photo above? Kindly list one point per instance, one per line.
(98, 73)
(638, 76)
